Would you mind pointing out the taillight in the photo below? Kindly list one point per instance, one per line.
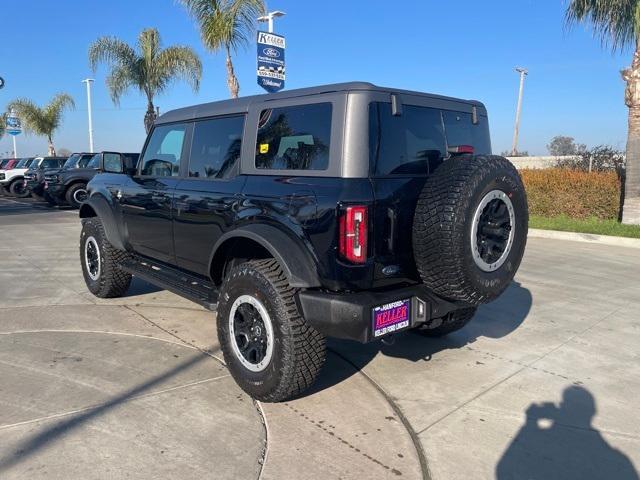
(353, 234)
(461, 149)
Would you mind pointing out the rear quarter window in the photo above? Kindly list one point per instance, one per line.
(294, 138)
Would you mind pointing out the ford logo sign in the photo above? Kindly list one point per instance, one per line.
(271, 52)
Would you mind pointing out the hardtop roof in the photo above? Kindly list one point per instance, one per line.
(242, 104)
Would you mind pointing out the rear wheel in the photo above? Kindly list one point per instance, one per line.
(76, 194)
(101, 262)
(18, 189)
(439, 327)
(271, 351)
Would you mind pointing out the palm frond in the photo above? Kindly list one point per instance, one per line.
(615, 22)
(112, 51)
(225, 23)
(118, 81)
(182, 62)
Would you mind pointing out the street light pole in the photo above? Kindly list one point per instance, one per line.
(269, 18)
(89, 81)
(523, 72)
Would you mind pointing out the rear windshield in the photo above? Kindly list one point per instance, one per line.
(417, 141)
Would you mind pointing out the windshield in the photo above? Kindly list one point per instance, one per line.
(24, 162)
(72, 162)
(3, 163)
(94, 162)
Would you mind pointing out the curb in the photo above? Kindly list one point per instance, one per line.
(585, 238)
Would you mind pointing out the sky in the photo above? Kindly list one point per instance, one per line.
(460, 48)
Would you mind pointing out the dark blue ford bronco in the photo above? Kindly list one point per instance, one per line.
(348, 211)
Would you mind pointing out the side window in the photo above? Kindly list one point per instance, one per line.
(112, 163)
(460, 130)
(164, 151)
(408, 144)
(215, 147)
(294, 138)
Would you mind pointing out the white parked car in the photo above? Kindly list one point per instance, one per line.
(12, 181)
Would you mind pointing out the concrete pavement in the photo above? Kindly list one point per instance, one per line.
(541, 384)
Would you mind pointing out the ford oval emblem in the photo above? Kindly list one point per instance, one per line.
(271, 52)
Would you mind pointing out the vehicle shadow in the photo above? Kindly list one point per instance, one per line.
(560, 442)
(140, 287)
(495, 320)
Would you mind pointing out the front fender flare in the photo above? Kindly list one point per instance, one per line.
(98, 206)
(297, 263)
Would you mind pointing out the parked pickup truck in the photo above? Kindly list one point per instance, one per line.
(348, 210)
(69, 186)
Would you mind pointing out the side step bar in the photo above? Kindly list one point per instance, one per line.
(193, 288)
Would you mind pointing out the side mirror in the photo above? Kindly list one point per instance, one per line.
(112, 162)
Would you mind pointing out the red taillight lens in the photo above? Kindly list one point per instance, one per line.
(353, 234)
(461, 149)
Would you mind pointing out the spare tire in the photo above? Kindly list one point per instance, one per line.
(470, 228)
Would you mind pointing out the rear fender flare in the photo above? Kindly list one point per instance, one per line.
(296, 262)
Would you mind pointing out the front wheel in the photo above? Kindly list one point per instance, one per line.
(271, 351)
(76, 194)
(18, 189)
(101, 262)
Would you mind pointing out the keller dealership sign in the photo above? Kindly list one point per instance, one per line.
(271, 71)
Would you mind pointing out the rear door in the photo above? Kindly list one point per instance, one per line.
(405, 149)
(146, 198)
(206, 197)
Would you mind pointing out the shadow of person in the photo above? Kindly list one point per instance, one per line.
(495, 320)
(559, 442)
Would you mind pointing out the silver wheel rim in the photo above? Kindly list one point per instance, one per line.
(92, 260)
(497, 197)
(235, 336)
(80, 195)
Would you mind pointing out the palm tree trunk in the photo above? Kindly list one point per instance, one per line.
(631, 205)
(51, 150)
(149, 117)
(232, 81)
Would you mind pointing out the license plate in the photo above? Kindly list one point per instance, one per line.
(391, 317)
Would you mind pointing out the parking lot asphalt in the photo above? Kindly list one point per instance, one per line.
(542, 384)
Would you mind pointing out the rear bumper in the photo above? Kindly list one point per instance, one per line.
(351, 315)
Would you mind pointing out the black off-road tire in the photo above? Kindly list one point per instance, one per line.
(443, 222)
(17, 189)
(71, 192)
(298, 349)
(452, 322)
(111, 280)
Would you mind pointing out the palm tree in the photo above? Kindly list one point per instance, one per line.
(617, 24)
(43, 121)
(3, 124)
(227, 24)
(150, 69)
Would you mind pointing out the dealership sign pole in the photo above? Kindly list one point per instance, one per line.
(14, 128)
(271, 70)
